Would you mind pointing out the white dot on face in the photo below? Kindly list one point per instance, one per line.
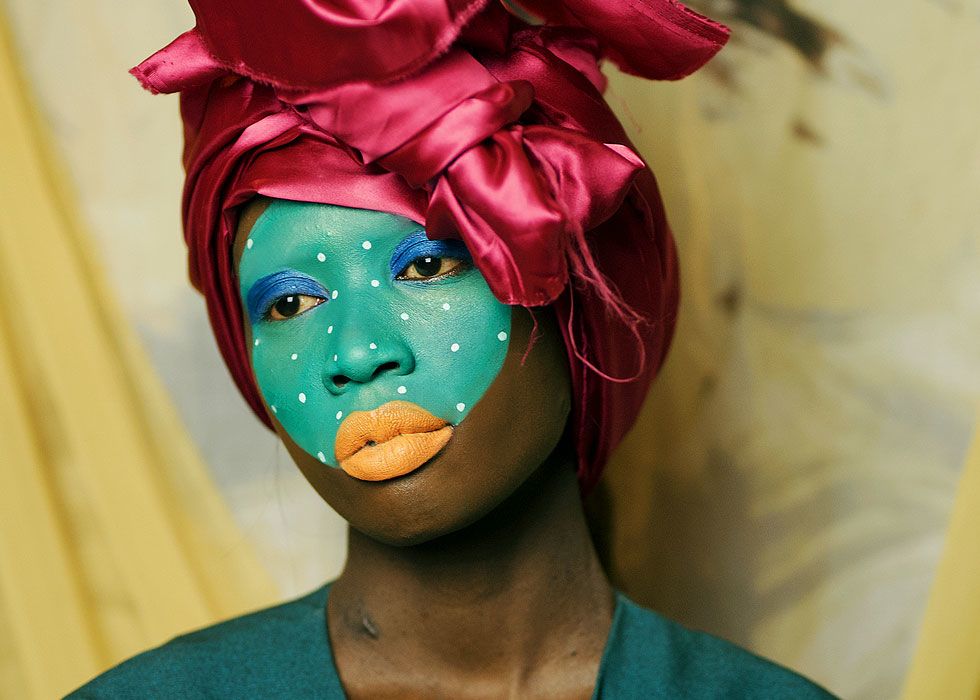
(373, 346)
(402, 390)
(334, 294)
(454, 347)
(460, 407)
(293, 356)
(340, 414)
(501, 336)
(249, 243)
(321, 257)
(274, 409)
(335, 358)
(302, 397)
(375, 283)
(404, 317)
(321, 457)
(366, 245)
(445, 307)
(257, 341)
(329, 329)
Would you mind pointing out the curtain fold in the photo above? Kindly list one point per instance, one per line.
(947, 658)
(112, 536)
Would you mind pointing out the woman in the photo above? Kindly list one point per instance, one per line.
(438, 271)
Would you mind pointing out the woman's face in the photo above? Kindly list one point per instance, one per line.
(390, 371)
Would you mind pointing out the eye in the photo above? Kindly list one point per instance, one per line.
(292, 305)
(429, 267)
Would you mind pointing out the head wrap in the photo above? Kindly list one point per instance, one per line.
(468, 119)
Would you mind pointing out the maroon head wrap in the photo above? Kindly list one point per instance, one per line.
(460, 116)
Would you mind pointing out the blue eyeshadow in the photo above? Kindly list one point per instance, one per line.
(280, 284)
(417, 245)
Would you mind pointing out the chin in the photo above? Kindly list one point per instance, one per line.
(446, 494)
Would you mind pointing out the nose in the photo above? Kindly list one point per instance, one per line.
(364, 352)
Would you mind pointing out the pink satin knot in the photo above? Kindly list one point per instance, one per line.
(556, 183)
(471, 121)
(452, 129)
(313, 44)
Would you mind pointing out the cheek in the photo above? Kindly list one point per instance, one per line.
(289, 365)
(440, 346)
(460, 334)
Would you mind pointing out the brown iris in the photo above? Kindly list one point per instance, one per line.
(292, 305)
(428, 267)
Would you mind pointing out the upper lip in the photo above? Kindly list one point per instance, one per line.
(381, 424)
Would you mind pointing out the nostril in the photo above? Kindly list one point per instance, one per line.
(385, 367)
(340, 381)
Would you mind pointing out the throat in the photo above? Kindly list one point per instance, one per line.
(517, 600)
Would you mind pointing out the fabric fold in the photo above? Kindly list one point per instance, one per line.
(655, 39)
(314, 44)
(183, 63)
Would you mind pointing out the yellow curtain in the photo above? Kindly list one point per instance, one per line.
(112, 536)
(947, 661)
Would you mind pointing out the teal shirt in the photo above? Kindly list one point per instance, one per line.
(284, 652)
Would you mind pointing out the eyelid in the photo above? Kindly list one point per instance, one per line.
(270, 313)
(459, 268)
(417, 245)
(268, 289)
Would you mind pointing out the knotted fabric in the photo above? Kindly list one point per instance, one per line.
(466, 119)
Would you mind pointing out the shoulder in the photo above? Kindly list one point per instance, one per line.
(653, 657)
(253, 653)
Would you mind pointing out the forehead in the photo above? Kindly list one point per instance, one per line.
(281, 228)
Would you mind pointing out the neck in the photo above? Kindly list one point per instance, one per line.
(517, 591)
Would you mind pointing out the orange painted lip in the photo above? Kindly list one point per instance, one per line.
(392, 440)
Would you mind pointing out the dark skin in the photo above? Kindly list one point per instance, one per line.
(473, 576)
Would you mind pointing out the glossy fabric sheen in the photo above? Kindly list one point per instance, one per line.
(371, 40)
(381, 40)
(285, 652)
(446, 339)
(498, 135)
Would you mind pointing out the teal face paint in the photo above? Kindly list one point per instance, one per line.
(338, 327)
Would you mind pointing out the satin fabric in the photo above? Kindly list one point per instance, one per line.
(659, 39)
(502, 139)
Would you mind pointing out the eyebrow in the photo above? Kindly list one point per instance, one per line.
(417, 245)
(279, 284)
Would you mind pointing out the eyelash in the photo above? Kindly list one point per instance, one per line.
(418, 246)
(268, 291)
(267, 314)
(458, 269)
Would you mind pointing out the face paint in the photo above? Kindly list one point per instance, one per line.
(369, 342)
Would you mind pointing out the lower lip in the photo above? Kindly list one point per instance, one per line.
(398, 456)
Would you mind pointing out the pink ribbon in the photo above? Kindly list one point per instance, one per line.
(453, 130)
(463, 118)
